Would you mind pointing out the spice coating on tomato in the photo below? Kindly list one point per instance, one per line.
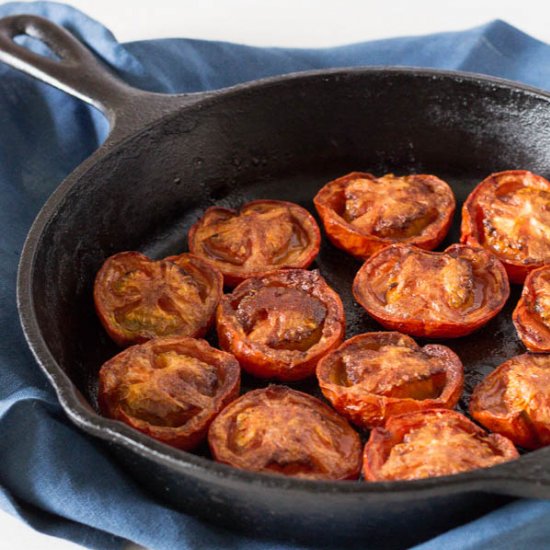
(137, 299)
(263, 236)
(283, 431)
(279, 325)
(373, 376)
(514, 400)
(532, 314)
(431, 443)
(508, 213)
(169, 388)
(362, 214)
(433, 294)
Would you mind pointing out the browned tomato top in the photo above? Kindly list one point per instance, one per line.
(532, 314)
(279, 325)
(138, 299)
(363, 213)
(514, 400)
(379, 374)
(283, 431)
(434, 294)
(431, 443)
(265, 235)
(509, 214)
(169, 388)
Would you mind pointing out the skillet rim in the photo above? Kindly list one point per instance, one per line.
(81, 413)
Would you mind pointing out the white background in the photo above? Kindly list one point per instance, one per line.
(296, 23)
(308, 23)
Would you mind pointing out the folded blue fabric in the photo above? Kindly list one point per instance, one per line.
(53, 476)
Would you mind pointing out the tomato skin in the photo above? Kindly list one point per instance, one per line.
(147, 381)
(269, 359)
(435, 294)
(265, 235)
(284, 431)
(514, 400)
(479, 208)
(531, 309)
(362, 242)
(434, 456)
(155, 282)
(366, 407)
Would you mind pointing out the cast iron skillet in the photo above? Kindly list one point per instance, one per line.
(168, 158)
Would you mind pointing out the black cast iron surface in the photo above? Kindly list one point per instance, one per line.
(171, 157)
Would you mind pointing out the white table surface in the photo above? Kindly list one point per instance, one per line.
(293, 23)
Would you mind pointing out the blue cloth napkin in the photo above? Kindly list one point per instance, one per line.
(58, 479)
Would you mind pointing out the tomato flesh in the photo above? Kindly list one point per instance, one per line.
(433, 294)
(373, 376)
(431, 443)
(138, 299)
(263, 236)
(282, 431)
(169, 388)
(279, 325)
(508, 213)
(514, 400)
(532, 314)
(362, 213)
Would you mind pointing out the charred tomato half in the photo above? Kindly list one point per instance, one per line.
(508, 213)
(514, 400)
(137, 298)
(532, 314)
(431, 443)
(433, 294)
(169, 388)
(283, 431)
(362, 213)
(279, 325)
(373, 376)
(263, 236)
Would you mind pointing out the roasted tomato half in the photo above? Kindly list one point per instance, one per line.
(508, 213)
(434, 294)
(283, 431)
(362, 214)
(431, 443)
(265, 235)
(514, 400)
(280, 325)
(373, 376)
(169, 388)
(137, 299)
(532, 314)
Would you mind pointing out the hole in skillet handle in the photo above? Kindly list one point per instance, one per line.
(66, 53)
(62, 61)
(52, 54)
(37, 46)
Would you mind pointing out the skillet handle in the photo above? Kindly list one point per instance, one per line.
(79, 73)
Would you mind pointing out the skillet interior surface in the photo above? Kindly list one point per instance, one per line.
(281, 139)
